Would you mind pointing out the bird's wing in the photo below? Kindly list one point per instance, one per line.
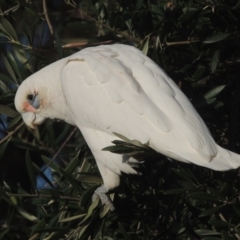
(118, 89)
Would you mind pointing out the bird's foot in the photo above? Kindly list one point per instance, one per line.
(101, 193)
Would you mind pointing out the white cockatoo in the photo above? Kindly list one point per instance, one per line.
(117, 89)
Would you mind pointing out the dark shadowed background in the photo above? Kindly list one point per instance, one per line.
(48, 175)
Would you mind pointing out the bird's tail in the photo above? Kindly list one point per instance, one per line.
(224, 160)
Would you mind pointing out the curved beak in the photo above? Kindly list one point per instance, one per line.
(32, 119)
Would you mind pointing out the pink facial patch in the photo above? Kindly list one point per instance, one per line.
(28, 108)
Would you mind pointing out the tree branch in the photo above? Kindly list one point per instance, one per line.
(47, 17)
(36, 195)
(11, 133)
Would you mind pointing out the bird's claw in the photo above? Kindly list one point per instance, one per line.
(101, 193)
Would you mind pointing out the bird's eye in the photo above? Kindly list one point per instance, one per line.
(30, 97)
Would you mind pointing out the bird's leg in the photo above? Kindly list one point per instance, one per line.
(101, 193)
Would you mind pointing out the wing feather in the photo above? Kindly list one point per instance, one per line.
(118, 89)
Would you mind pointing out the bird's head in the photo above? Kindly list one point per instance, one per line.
(30, 101)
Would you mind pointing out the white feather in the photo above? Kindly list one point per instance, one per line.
(116, 88)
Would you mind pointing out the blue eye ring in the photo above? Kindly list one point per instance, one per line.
(33, 99)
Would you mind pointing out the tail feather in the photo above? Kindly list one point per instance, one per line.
(224, 160)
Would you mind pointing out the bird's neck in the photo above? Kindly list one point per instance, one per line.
(55, 105)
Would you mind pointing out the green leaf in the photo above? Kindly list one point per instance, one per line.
(14, 121)
(3, 148)
(236, 209)
(58, 46)
(215, 61)
(39, 225)
(237, 5)
(211, 238)
(123, 231)
(70, 179)
(89, 178)
(224, 188)
(30, 169)
(199, 73)
(218, 223)
(118, 149)
(104, 211)
(8, 28)
(69, 219)
(3, 87)
(90, 210)
(8, 111)
(211, 211)
(205, 232)
(27, 215)
(87, 196)
(176, 191)
(187, 16)
(9, 69)
(186, 184)
(225, 235)
(50, 163)
(132, 142)
(14, 65)
(146, 46)
(214, 92)
(138, 4)
(72, 165)
(187, 175)
(83, 229)
(203, 196)
(4, 33)
(216, 37)
(5, 78)
(216, 193)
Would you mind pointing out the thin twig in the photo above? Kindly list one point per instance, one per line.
(47, 17)
(34, 236)
(65, 142)
(73, 4)
(36, 195)
(83, 44)
(10, 10)
(11, 133)
(180, 42)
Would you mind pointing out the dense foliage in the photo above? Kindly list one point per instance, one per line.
(48, 175)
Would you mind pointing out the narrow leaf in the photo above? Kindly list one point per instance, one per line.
(70, 179)
(210, 211)
(50, 163)
(215, 61)
(8, 28)
(146, 47)
(5, 78)
(216, 37)
(72, 165)
(14, 65)
(90, 210)
(3, 148)
(8, 111)
(203, 196)
(205, 232)
(27, 215)
(9, 69)
(214, 92)
(176, 191)
(72, 218)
